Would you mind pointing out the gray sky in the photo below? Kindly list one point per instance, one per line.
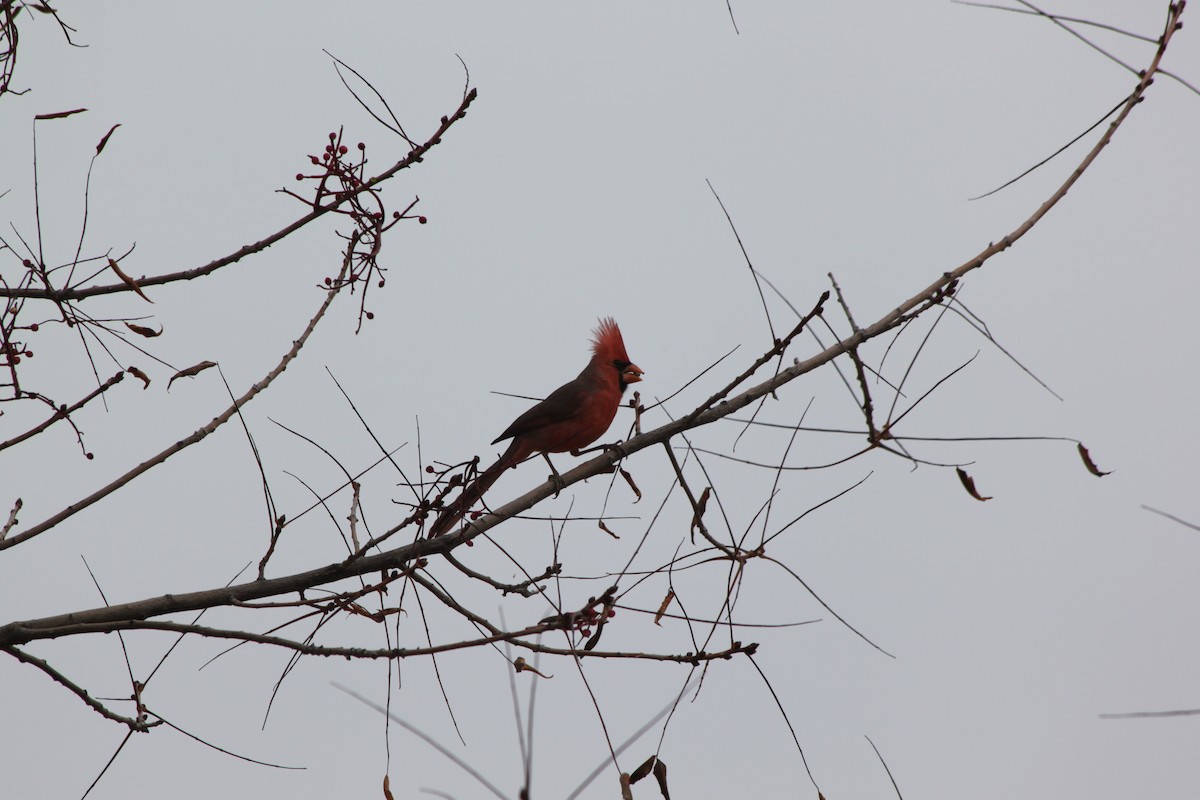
(842, 138)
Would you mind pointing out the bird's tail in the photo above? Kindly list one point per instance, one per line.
(471, 493)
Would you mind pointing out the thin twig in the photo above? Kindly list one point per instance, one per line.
(188, 441)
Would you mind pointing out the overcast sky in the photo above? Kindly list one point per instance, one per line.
(843, 138)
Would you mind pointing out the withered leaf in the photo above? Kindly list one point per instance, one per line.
(104, 141)
(629, 479)
(60, 114)
(387, 789)
(1087, 462)
(643, 770)
(604, 528)
(128, 281)
(191, 371)
(660, 775)
(142, 330)
(969, 484)
(626, 792)
(521, 665)
(143, 377)
(662, 609)
(382, 614)
(355, 608)
(594, 639)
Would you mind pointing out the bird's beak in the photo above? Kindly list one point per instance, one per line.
(632, 374)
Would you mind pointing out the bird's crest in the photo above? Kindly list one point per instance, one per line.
(607, 344)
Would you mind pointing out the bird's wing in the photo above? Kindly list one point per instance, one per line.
(563, 403)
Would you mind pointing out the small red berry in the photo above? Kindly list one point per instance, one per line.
(343, 149)
(332, 137)
(299, 176)
(362, 146)
(33, 327)
(328, 281)
(90, 456)
(395, 215)
(370, 315)
(422, 220)
(429, 469)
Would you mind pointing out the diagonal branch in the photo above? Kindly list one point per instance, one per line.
(415, 156)
(198, 436)
(77, 690)
(64, 412)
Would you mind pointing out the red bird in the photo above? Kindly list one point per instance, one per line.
(572, 417)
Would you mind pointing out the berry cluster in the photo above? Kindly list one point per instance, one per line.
(342, 186)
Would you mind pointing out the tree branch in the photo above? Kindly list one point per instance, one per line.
(415, 156)
(199, 435)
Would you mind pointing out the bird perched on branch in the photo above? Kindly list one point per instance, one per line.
(572, 417)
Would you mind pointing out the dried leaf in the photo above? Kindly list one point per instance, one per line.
(142, 330)
(191, 371)
(662, 609)
(660, 775)
(355, 608)
(387, 789)
(60, 114)
(130, 282)
(629, 479)
(104, 141)
(643, 770)
(604, 528)
(969, 484)
(521, 665)
(143, 377)
(1087, 462)
(626, 792)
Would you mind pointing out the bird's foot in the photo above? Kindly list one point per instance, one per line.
(554, 477)
(617, 447)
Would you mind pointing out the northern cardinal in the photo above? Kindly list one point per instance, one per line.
(572, 417)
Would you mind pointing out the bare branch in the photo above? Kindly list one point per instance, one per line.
(186, 442)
